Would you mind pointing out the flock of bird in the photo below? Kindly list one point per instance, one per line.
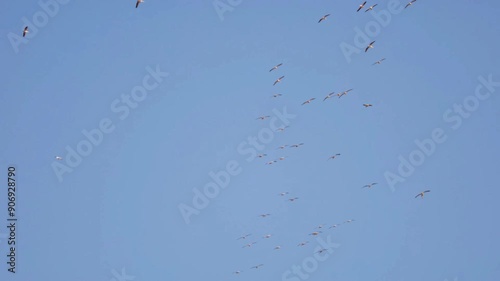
(319, 229)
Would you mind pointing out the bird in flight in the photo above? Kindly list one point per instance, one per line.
(262, 117)
(276, 67)
(409, 4)
(267, 236)
(264, 215)
(308, 101)
(244, 236)
(296, 145)
(421, 194)
(328, 96)
(361, 6)
(348, 221)
(315, 233)
(25, 31)
(282, 147)
(261, 155)
(320, 226)
(323, 18)
(282, 158)
(321, 251)
(271, 162)
(379, 62)
(303, 243)
(278, 80)
(281, 129)
(277, 247)
(343, 93)
(369, 46)
(249, 245)
(293, 199)
(283, 193)
(277, 95)
(138, 2)
(334, 156)
(370, 185)
(333, 226)
(256, 266)
(366, 105)
(371, 8)
(58, 158)
(237, 272)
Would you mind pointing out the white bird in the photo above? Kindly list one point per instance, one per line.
(361, 6)
(343, 93)
(369, 46)
(379, 61)
(244, 236)
(237, 272)
(348, 221)
(278, 80)
(315, 233)
(25, 31)
(283, 146)
(328, 96)
(371, 8)
(320, 226)
(308, 101)
(282, 158)
(58, 158)
(276, 67)
(323, 18)
(138, 2)
(409, 4)
(334, 156)
(333, 226)
(267, 236)
(283, 193)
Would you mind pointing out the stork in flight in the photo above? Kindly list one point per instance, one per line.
(369, 46)
(276, 67)
(379, 61)
(138, 2)
(297, 145)
(343, 93)
(277, 247)
(281, 129)
(328, 96)
(361, 6)
(421, 194)
(371, 8)
(277, 95)
(244, 236)
(262, 117)
(278, 80)
(25, 31)
(323, 18)
(261, 155)
(58, 158)
(333, 226)
(267, 236)
(315, 233)
(366, 105)
(257, 266)
(249, 245)
(264, 215)
(308, 101)
(283, 193)
(334, 156)
(370, 185)
(237, 272)
(293, 199)
(409, 4)
(282, 147)
(302, 243)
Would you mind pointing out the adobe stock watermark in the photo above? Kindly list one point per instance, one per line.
(453, 116)
(49, 9)
(221, 179)
(310, 264)
(223, 6)
(121, 276)
(381, 19)
(121, 107)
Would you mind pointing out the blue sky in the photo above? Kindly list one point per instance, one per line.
(119, 207)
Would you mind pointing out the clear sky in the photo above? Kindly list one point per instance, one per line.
(118, 208)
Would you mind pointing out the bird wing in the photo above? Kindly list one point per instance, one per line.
(427, 191)
(137, 4)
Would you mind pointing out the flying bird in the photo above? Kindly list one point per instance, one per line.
(371, 8)
(343, 93)
(348, 221)
(277, 247)
(138, 2)
(334, 156)
(293, 199)
(421, 194)
(237, 272)
(277, 95)
(261, 155)
(370, 185)
(361, 6)
(308, 101)
(267, 236)
(271, 162)
(281, 129)
(366, 105)
(25, 31)
(379, 62)
(282, 158)
(244, 236)
(302, 243)
(283, 193)
(296, 145)
(323, 18)
(315, 233)
(320, 226)
(262, 117)
(264, 215)
(249, 245)
(276, 67)
(278, 80)
(256, 266)
(321, 251)
(328, 96)
(409, 4)
(333, 226)
(369, 46)
(58, 158)
(282, 147)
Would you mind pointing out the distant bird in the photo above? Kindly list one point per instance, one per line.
(334, 156)
(369, 46)
(277, 95)
(323, 18)
(237, 272)
(409, 4)
(282, 158)
(262, 117)
(296, 145)
(361, 6)
(58, 158)
(283, 193)
(277, 247)
(267, 236)
(371, 8)
(302, 243)
(320, 226)
(315, 233)
(271, 162)
(281, 129)
(283, 146)
(333, 226)
(249, 245)
(366, 105)
(348, 221)
(293, 199)
(343, 93)
(276, 67)
(321, 251)
(328, 96)
(256, 266)
(379, 61)
(25, 31)
(278, 80)
(308, 101)
(138, 2)
(421, 194)
(370, 185)
(264, 215)
(244, 236)
(261, 155)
